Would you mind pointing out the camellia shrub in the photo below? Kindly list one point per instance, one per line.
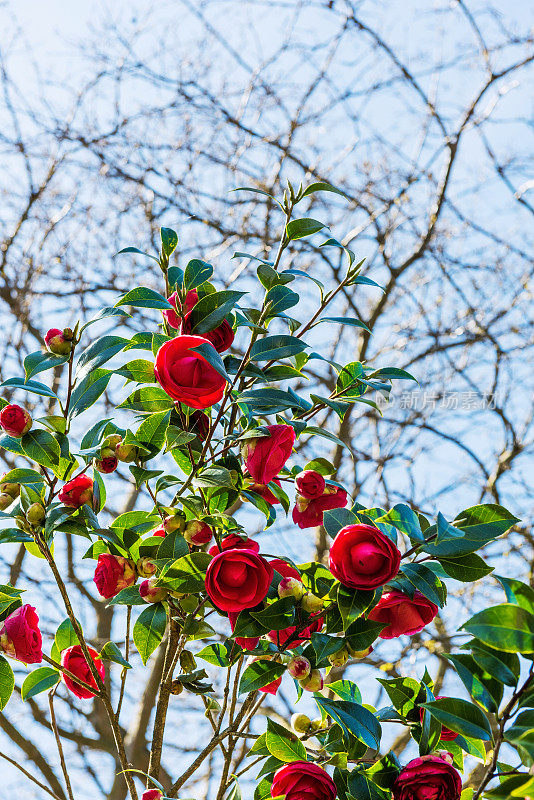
(213, 420)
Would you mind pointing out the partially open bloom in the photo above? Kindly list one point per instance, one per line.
(310, 484)
(15, 420)
(235, 542)
(171, 315)
(20, 636)
(73, 659)
(266, 455)
(77, 492)
(152, 794)
(402, 614)
(186, 375)
(151, 593)
(112, 574)
(197, 533)
(221, 337)
(309, 513)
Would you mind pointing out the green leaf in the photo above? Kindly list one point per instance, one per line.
(207, 351)
(461, 717)
(521, 734)
(149, 629)
(269, 401)
(403, 693)
(41, 447)
(217, 654)
(274, 348)
(354, 323)
(299, 228)
(212, 309)
(279, 299)
(173, 546)
(467, 568)
(214, 476)
(127, 597)
(7, 682)
(187, 574)
(518, 593)
(152, 430)
(137, 251)
(506, 627)
(105, 313)
(196, 273)
(26, 477)
(139, 370)
(391, 373)
(169, 240)
(40, 680)
(426, 582)
(98, 353)
(34, 387)
(88, 391)
(354, 719)
(353, 603)
(338, 518)
(39, 362)
(361, 786)
(362, 633)
(321, 186)
(260, 674)
(141, 297)
(277, 616)
(405, 520)
(111, 652)
(285, 749)
(148, 399)
(346, 690)
(480, 524)
(505, 667)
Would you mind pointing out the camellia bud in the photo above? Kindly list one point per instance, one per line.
(126, 452)
(106, 465)
(313, 683)
(187, 661)
(290, 587)
(58, 343)
(5, 501)
(36, 514)
(15, 420)
(152, 794)
(311, 603)
(12, 489)
(197, 533)
(300, 723)
(176, 522)
(112, 441)
(176, 687)
(299, 667)
(68, 333)
(359, 653)
(340, 658)
(151, 593)
(316, 724)
(145, 567)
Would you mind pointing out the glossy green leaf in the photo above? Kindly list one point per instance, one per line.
(461, 717)
(40, 680)
(148, 630)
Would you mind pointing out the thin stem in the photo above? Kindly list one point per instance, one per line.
(58, 743)
(31, 777)
(124, 673)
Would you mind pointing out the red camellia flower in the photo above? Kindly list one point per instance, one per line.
(429, 777)
(187, 376)
(238, 579)
(290, 636)
(362, 557)
(221, 337)
(235, 542)
(15, 420)
(446, 734)
(73, 659)
(266, 455)
(112, 574)
(310, 484)
(77, 492)
(171, 315)
(272, 687)
(402, 614)
(300, 780)
(309, 513)
(20, 636)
